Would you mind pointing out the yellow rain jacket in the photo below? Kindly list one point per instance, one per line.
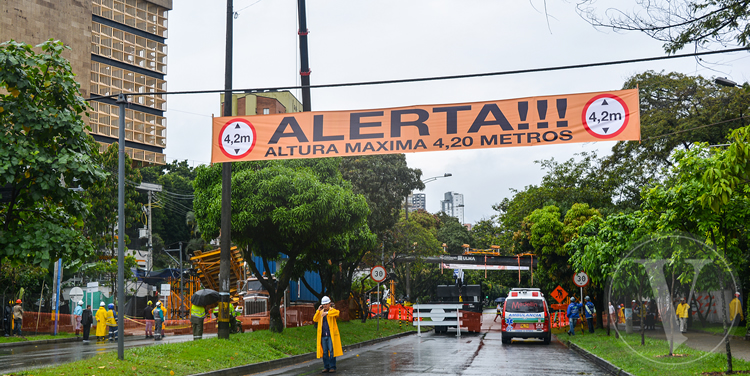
(682, 310)
(735, 308)
(333, 327)
(111, 318)
(101, 322)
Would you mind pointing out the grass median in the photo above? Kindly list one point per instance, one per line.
(740, 331)
(651, 358)
(193, 357)
(32, 337)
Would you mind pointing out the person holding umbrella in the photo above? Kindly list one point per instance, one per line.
(197, 315)
(199, 301)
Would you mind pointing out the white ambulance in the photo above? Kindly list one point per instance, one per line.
(526, 315)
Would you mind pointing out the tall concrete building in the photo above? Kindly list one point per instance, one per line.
(453, 205)
(416, 201)
(117, 46)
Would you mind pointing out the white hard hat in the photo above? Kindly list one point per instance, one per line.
(101, 304)
(325, 300)
(158, 304)
(80, 302)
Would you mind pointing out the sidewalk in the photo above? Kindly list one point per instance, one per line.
(710, 342)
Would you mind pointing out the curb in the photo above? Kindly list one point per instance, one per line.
(292, 360)
(38, 342)
(601, 363)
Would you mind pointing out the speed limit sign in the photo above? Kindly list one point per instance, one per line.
(378, 273)
(581, 279)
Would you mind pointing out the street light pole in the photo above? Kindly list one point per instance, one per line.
(122, 101)
(406, 217)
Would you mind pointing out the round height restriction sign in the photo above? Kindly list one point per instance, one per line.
(378, 274)
(581, 279)
(237, 138)
(605, 116)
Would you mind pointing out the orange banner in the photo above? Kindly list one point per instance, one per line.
(557, 119)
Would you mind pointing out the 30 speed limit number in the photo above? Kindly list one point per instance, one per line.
(378, 273)
(237, 138)
(581, 279)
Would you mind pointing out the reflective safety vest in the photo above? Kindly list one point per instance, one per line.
(197, 311)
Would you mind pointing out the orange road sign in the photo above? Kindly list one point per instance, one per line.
(559, 294)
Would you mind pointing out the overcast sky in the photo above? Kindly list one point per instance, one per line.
(354, 40)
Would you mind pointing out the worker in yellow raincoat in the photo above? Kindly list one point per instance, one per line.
(735, 310)
(101, 322)
(328, 339)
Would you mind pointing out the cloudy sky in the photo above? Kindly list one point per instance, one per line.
(356, 40)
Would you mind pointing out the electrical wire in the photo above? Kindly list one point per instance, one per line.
(694, 128)
(437, 78)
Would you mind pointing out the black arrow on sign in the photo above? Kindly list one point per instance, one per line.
(604, 102)
(605, 130)
(237, 151)
(237, 126)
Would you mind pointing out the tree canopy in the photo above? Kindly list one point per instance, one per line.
(678, 23)
(45, 152)
(280, 208)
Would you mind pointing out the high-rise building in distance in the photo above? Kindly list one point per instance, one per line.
(453, 205)
(117, 46)
(416, 201)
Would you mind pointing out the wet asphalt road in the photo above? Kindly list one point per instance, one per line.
(445, 354)
(34, 356)
(431, 354)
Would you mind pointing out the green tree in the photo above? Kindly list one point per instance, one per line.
(171, 206)
(451, 232)
(45, 151)
(546, 236)
(694, 200)
(280, 208)
(413, 241)
(678, 23)
(101, 222)
(485, 234)
(384, 181)
(574, 181)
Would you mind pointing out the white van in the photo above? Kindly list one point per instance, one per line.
(526, 315)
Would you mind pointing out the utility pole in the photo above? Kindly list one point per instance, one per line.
(304, 64)
(226, 191)
(122, 101)
(150, 262)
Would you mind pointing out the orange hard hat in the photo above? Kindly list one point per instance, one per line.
(18, 301)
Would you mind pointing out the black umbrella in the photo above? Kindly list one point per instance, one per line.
(205, 297)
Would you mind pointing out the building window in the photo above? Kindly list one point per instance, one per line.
(266, 111)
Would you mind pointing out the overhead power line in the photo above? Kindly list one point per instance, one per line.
(439, 78)
(694, 128)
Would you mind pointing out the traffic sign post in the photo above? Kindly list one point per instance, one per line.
(378, 274)
(581, 279)
(559, 294)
